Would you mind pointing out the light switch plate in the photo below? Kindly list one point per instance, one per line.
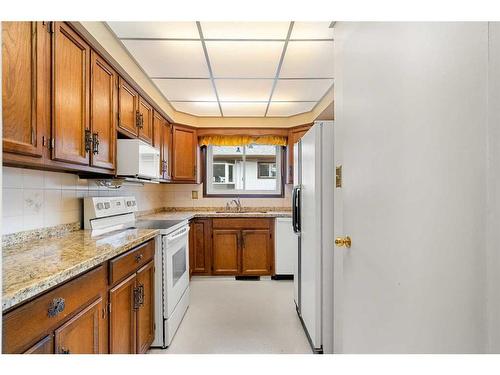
(194, 194)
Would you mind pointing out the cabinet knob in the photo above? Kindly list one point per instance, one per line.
(138, 257)
(65, 351)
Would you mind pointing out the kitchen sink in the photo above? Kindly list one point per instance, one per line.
(241, 212)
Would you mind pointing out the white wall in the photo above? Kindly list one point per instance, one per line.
(413, 108)
(493, 249)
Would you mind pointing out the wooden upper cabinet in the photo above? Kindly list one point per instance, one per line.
(122, 324)
(184, 152)
(225, 249)
(128, 108)
(294, 135)
(145, 311)
(103, 113)
(71, 72)
(25, 86)
(165, 151)
(146, 121)
(256, 252)
(83, 333)
(158, 123)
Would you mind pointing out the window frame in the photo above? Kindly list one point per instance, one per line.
(207, 172)
(268, 177)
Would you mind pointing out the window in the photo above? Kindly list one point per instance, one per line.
(266, 170)
(240, 170)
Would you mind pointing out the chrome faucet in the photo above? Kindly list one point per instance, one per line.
(236, 202)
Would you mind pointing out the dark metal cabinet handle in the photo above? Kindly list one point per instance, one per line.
(88, 140)
(95, 143)
(137, 119)
(138, 257)
(141, 295)
(136, 298)
(65, 351)
(56, 307)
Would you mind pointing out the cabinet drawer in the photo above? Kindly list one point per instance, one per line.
(28, 323)
(246, 223)
(129, 262)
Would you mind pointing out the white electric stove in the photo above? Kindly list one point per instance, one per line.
(107, 214)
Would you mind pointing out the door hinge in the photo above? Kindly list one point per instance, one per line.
(338, 176)
(52, 143)
(109, 307)
(118, 116)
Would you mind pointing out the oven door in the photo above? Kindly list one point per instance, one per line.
(176, 267)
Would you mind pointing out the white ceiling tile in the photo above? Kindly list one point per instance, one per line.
(162, 58)
(285, 109)
(198, 108)
(311, 30)
(244, 59)
(245, 30)
(308, 59)
(243, 109)
(244, 89)
(155, 29)
(301, 89)
(186, 89)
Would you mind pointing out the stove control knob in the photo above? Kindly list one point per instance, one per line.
(100, 206)
(129, 203)
(107, 205)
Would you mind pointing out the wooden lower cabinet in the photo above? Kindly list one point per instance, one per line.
(87, 315)
(226, 249)
(44, 346)
(256, 255)
(82, 334)
(235, 246)
(145, 312)
(122, 317)
(200, 257)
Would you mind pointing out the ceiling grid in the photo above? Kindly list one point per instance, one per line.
(234, 69)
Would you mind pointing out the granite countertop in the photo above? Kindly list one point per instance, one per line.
(33, 267)
(187, 215)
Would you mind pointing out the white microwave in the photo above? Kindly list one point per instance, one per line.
(135, 158)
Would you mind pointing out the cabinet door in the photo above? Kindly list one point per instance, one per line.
(44, 346)
(25, 48)
(146, 121)
(122, 334)
(201, 245)
(225, 249)
(145, 312)
(128, 102)
(71, 72)
(102, 113)
(158, 123)
(184, 147)
(82, 333)
(166, 146)
(256, 252)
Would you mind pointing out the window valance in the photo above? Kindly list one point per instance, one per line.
(241, 140)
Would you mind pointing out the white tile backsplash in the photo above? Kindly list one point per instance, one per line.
(35, 199)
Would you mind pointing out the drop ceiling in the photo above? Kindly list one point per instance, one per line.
(234, 69)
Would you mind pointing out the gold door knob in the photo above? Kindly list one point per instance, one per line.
(343, 241)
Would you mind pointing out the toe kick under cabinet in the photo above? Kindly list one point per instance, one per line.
(232, 246)
(109, 309)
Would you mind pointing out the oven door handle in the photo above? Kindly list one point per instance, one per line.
(178, 234)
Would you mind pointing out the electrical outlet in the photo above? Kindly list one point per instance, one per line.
(194, 194)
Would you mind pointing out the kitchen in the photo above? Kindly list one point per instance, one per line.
(221, 187)
(150, 164)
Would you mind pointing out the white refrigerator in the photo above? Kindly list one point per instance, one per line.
(312, 203)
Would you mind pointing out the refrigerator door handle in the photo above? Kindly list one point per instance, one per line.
(296, 209)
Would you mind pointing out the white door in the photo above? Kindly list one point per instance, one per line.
(410, 105)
